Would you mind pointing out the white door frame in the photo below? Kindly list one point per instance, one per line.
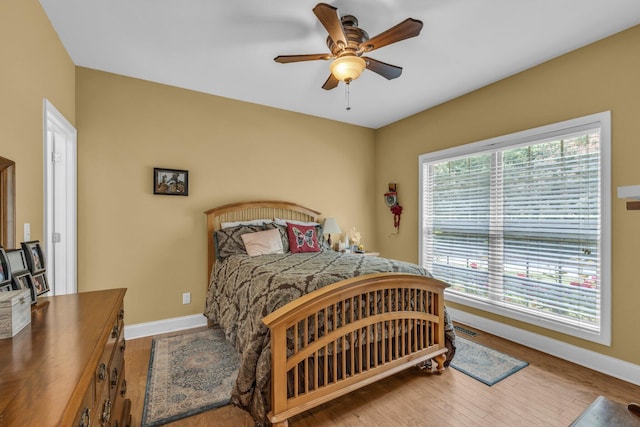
(57, 130)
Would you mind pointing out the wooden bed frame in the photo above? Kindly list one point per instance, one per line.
(350, 333)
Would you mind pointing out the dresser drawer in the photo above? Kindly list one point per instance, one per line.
(102, 413)
(104, 368)
(119, 403)
(83, 419)
(118, 325)
(107, 411)
(113, 408)
(116, 370)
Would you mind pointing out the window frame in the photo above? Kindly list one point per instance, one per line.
(601, 120)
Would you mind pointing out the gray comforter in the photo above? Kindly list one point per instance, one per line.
(244, 289)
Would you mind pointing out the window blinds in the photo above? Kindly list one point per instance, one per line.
(518, 225)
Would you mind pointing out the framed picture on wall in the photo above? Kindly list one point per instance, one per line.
(34, 255)
(5, 271)
(171, 182)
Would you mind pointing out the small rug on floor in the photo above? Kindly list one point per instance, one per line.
(188, 374)
(483, 363)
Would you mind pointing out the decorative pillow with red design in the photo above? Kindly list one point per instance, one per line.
(302, 238)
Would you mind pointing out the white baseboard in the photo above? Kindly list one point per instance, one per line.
(157, 327)
(593, 360)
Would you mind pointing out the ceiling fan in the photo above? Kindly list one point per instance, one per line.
(347, 43)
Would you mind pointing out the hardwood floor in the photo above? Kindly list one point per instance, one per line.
(549, 392)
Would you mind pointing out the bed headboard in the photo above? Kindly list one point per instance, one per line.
(246, 211)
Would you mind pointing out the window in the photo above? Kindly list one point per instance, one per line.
(519, 225)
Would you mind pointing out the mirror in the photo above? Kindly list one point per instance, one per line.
(7, 203)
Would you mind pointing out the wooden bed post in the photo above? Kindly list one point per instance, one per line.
(279, 375)
(440, 359)
(210, 245)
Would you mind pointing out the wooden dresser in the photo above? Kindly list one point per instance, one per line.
(67, 367)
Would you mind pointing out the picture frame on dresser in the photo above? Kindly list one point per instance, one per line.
(5, 272)
(20, 274)
(24, 280)
(34, 256)
(41, 284)
(17, 261)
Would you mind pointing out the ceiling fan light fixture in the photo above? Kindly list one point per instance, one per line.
(347, 42)
(348, 68)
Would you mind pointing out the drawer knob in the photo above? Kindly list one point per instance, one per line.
(114, 378)
(106, 411)
(102, 372)
(121, 314)
(123, 346)
(123, 388)
(115, 331)
(85, 418)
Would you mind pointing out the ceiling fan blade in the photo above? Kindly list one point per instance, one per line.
(328, 16)
(331, 82)
(285, 59)
(387, 71)
(405, 30)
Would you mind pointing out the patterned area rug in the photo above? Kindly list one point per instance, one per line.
(483, 363)
(188, 374)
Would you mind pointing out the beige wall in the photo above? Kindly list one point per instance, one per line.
(156, 245)
(603, 76)
(33, 65)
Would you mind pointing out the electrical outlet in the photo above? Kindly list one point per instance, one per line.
(186, 298)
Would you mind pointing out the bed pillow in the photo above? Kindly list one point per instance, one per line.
(284, 234)
(229, 240)
(303, 238)
(237, 223)
(282, 226)
(293, 221)
(263, 243)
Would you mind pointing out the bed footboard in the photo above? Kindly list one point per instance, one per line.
(350, 334)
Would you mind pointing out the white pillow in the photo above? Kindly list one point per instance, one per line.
(263, 242)
(237, 223)
(284, 222)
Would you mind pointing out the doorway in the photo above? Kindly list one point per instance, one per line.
(60, 205)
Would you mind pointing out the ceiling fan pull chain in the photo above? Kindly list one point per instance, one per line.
(346, 95)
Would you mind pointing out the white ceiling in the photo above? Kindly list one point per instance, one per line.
(226, 48)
